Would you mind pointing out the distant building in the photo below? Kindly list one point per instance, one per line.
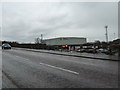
(65, 41)
(68, 42)
(117, 41)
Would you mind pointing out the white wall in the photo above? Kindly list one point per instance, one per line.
(65, 41)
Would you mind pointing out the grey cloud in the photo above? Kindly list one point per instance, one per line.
(25, 21)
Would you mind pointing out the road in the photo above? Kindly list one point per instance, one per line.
(41, 70)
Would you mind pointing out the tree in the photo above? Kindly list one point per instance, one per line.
(37, 40)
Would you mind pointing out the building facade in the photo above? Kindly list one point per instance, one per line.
(65, 41)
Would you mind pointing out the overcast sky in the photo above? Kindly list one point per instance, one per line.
(23, 22)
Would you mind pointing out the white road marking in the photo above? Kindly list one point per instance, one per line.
(60, 68)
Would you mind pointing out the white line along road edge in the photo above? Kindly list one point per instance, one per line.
(60, 68)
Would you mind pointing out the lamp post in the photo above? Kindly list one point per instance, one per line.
(41, 38)
(114, 35)
(106, 33)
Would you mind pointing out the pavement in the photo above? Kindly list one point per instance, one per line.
(7, 82)
(76, 54)
(27, 69)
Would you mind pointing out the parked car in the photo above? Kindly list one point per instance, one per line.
(80, 50)
(6, 46)
(103, 51)
(90, 50)
(113, 52)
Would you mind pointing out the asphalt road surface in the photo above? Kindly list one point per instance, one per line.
(28, 69)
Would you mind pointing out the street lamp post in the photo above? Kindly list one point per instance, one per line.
(41, 38)
(106, 33)
(114, 35)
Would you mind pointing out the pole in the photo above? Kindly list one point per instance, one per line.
(114, 36)
(41, 38)
(106, 33)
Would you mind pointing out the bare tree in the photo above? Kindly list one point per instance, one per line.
(37, 40)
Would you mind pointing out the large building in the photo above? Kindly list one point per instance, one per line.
(65, 41)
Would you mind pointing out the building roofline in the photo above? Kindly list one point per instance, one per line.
(66, 37)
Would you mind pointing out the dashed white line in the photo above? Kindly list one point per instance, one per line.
(59, 68)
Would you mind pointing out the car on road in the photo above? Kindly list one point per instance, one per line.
(6, 46)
